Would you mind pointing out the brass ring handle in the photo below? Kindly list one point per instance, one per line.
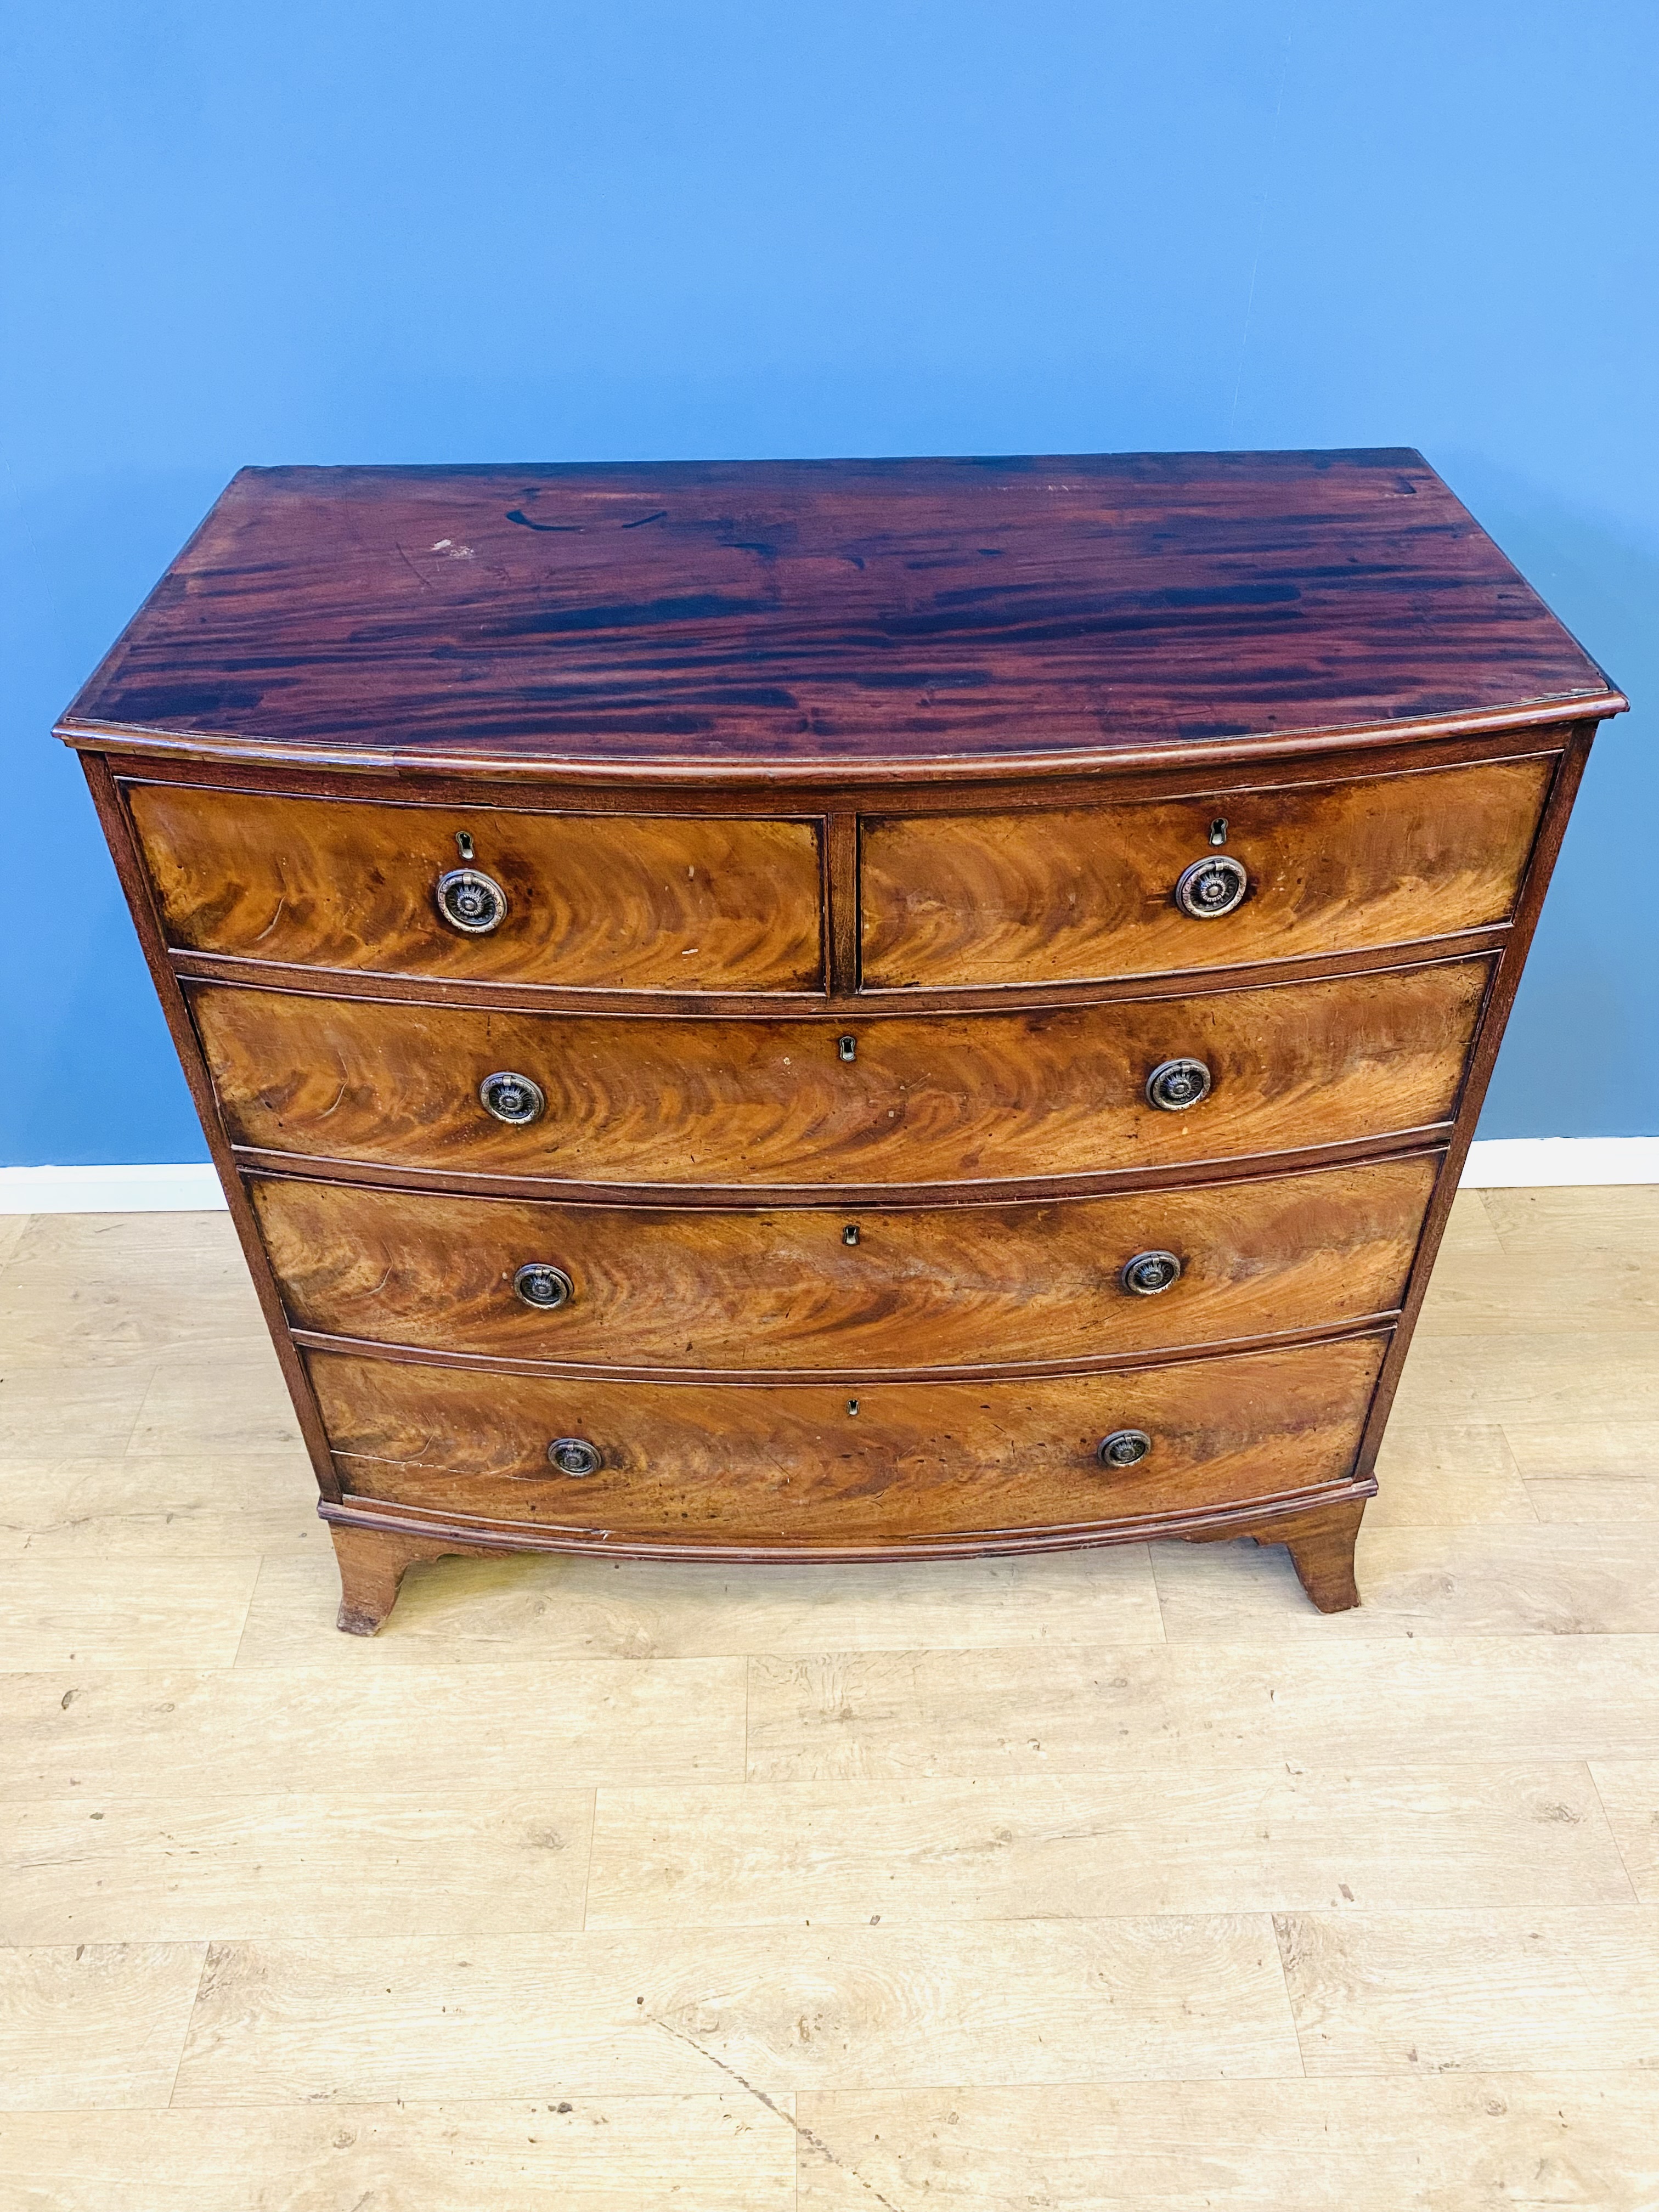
(1211, 887)
(1124, 1448)
(469, 901)
(1149, 1272)
(542, 1286)
(515, 1099)
(1176, 1084)
(574, 1456)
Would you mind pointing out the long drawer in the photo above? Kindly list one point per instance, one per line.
(800, 1466)
(659, 902)
(946, 1099)
(1059, 894)
(893, 1288)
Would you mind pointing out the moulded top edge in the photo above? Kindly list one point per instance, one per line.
(668, 770)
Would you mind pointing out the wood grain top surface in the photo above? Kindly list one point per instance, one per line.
(832, 617)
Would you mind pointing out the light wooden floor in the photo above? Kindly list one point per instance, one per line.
(1120, 1879)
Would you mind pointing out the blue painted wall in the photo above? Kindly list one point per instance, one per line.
(356, 231)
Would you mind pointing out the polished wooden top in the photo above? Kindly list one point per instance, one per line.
(794, 619)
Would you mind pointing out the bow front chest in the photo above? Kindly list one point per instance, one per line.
(838, 1010)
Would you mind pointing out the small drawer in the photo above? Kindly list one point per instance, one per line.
(1172, 885)
(888, 1289)
(794, 1105)
(802, 1467)
(599, 902)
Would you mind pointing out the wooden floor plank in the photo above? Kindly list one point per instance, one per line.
(1391, 1993)
(202, 1505)
(661, 2010)
(1493, 1293)
(74, 1869)
(1615, 1501)
(154, 1611)
(706, 2154)
(1555, 1375)
(128, 1248)
(923, 1853)
(1629, 1789)
(101, 1290)
(195, 1405)
(482, 1612)
(1477, 1289)
(34, 1493)
(43, 1416)
(1456, 2143)
(96, 2024)
(1492, 1580)
(1595, 1468)
(1470, 1229)
(1556, 1227)
(1047, 1856)
(232, 1732)
(1447, 1477)
(1378, 1703)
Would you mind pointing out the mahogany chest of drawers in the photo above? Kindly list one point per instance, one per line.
(842, 1009)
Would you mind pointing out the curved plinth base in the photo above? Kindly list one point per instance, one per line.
(373, 1563)
(1321, 1546)
(373, 1552)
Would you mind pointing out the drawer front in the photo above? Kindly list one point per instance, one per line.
(961, 1098)
(607, 901)
(789, 1464)
(1062, 896)
(922, 1287)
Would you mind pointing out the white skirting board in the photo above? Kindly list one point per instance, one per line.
(188, 1188)
(1537, 1163)
(1505, 1163)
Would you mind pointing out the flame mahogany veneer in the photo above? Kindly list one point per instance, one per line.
(812, 836)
